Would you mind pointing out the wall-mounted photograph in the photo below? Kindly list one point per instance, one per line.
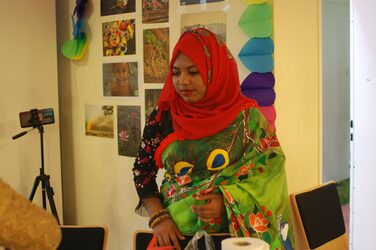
(156, 55)
(151, 99)
(188, 2)
(155, 11)
(119, 37)
(113, 7)
(120, 79)
(213, 20)
(129, 133)
(99, 120)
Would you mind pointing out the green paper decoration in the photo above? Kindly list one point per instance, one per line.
(256, 20)
(256, 12)
(258, 29)
(75, 48)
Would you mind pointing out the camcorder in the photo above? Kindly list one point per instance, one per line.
(35, 117)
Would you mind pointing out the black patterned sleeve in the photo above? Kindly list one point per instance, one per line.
(145, 169)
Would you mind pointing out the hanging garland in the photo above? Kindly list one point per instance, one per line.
(257, 55)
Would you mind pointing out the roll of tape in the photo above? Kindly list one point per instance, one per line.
(244, 244)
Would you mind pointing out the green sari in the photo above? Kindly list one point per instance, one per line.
(245, 163)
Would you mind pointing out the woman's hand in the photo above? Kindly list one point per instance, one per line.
(212, 210)
(167, 233)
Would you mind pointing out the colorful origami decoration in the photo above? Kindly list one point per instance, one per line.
(257, 56)
(256, 20)
(75, 48)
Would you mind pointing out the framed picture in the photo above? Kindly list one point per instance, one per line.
(156, 55)
(119, 37)
(129, 133)
(212, 20)
(155, 11)
(112, 7)
(99, 120)
(120, 79)
(151, 99)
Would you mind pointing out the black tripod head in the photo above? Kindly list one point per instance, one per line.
(36, 119)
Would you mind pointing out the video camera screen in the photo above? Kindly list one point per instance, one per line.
(35, 117)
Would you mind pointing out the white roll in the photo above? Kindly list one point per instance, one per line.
(244, 243)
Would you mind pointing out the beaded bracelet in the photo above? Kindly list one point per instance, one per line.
(159, 219)
(157, 214)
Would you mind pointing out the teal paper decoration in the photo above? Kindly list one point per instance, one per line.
(258, 46)
(258, 63)
(256, 55)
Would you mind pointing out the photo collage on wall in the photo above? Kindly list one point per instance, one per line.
(130, 72)
(122, 79)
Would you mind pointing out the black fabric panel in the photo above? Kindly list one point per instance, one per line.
(90, 238)
(143, 239)
(321, 214)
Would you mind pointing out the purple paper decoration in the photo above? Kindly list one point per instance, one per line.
(264, 97)
(258, 81)
(259, 86)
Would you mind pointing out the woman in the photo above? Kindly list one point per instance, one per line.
(224, 166)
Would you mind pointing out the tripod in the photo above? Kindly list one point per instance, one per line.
(42, 178)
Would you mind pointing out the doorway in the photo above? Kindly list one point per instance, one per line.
(336, 97)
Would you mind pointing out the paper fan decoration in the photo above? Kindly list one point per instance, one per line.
(256, 20)
(264, 97)
(258, 81)
(75, 48)
(257, 56)
(269, 113)
(258, 46)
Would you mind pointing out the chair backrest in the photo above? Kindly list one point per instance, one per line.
(142, 239)
(83, 237)
(318, 218)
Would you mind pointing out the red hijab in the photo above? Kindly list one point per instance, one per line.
(222, 101)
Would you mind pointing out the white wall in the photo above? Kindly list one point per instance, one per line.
(336, 89)
(28, 78)
(363, 41)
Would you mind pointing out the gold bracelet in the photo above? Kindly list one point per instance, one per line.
(159, 219)
(157, 214)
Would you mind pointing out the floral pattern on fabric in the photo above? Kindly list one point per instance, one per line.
(145, 169)
(252, 180)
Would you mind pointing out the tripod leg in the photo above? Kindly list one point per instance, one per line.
(35, 186)
(44, 195)
(50, 193)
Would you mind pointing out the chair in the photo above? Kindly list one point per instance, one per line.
(83, 237)
(318, 219)
(142, 238)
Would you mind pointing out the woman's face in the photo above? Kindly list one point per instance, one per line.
(187, 79)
